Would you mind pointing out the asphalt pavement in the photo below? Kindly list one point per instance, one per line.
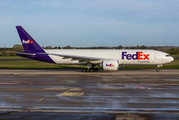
(144, 94)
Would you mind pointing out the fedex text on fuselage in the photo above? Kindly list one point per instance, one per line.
(137, 56)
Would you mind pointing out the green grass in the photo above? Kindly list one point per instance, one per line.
(33, 64)
(12, 57)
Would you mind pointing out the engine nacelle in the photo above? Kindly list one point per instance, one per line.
(110, 65)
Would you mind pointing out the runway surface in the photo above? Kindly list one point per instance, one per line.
(72, 91)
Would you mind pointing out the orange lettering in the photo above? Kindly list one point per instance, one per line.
(146, 56)
(139, 55)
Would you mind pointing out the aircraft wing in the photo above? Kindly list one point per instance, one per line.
(74, 57)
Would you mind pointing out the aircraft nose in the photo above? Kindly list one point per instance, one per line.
(169, 59)
(172, 59)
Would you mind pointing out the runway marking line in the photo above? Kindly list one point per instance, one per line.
(67, 93)
(40, 100)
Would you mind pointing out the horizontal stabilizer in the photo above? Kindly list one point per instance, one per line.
(21, 53)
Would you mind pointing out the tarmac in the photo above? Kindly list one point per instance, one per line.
(72, 94)
(79, 72)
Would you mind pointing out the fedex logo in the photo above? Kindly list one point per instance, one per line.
(111, 65)
(137, 56)
(27, 42)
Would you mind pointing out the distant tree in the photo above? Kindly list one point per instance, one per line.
(138, 47)
(59, 47)
(49, 47)
(132, 47)
(173, 51)
(143, 47)
(119, 47)
(4, 53)
(68, 47)
(17, 48)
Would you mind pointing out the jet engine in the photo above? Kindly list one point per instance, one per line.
(110, 65)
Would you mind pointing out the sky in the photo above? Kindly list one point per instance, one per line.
(87, 23)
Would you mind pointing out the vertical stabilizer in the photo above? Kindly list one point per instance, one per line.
(29, 44)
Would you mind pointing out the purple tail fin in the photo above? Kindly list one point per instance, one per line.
(29, 44)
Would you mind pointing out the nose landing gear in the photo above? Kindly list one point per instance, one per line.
(158, 68)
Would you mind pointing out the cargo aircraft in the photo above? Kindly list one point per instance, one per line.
(108, 59)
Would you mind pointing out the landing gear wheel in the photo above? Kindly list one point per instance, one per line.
(84, 70)
(87, 70)
(91, 70)
(158, 69)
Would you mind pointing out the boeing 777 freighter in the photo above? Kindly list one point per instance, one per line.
(107, 59)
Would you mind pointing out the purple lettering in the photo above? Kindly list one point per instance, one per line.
(128, 56)
(123, 54)
(136, 56)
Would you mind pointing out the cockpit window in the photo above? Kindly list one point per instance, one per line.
(167, 55)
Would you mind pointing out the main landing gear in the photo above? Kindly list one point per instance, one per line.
(90, 68)
(158, 68)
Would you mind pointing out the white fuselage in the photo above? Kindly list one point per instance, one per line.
(124, 56)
